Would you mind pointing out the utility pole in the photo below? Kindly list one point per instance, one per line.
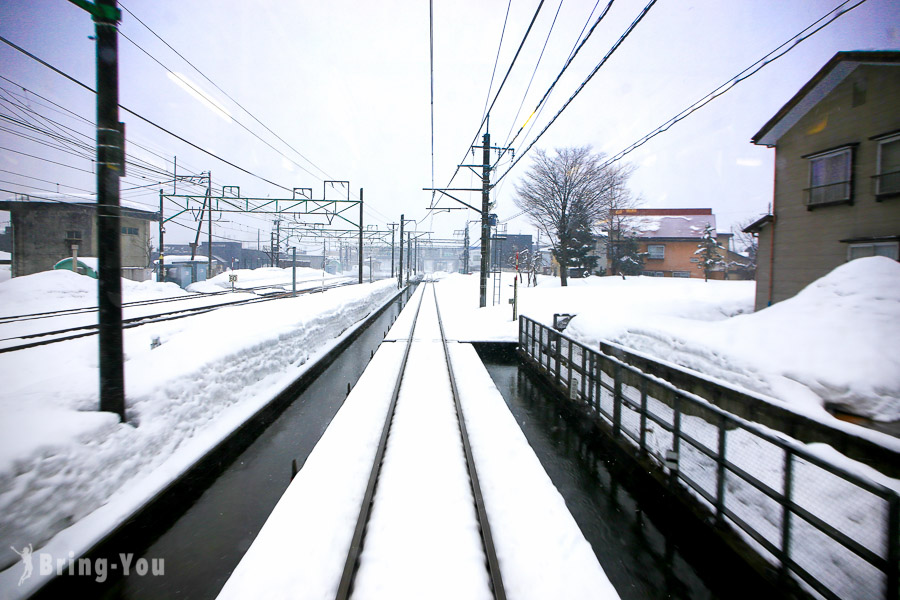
(408, 253)
(393, 225)
(485, 223)
(160, 273)
(360, 234)
(209, 268)
(110, 166)
(400, 264)
(294, 274)
(277, 242)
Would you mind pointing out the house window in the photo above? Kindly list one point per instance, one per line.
(652, 274)
(129, 231)
(73, 234)
(888, 176)
(889, 249)
(656, 251)
(830, 177)
(685, 274)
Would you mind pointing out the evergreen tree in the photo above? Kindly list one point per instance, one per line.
(708, 251)
(626, 258)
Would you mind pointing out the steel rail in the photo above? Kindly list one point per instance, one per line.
(359, 533)
(193, 296)
(484, 526)
(146, 320)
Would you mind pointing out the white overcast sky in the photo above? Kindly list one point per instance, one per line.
(346, 83)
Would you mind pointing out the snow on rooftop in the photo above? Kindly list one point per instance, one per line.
(86, 199)
(669, 226)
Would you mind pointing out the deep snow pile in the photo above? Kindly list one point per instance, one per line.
(827, 345)
(61, 290)
(612, 304)
(60, 459)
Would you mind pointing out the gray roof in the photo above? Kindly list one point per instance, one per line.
(669, 226)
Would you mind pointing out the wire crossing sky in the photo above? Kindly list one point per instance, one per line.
(388, 96)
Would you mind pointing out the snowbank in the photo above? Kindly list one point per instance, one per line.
(62, 289)
(254, 278)
(61, 460)
(827, 345)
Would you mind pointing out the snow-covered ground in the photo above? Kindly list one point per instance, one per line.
(829, 344)
(422, 534)
(69, 471)
(268, 276)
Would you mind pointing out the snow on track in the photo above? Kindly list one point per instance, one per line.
(422, 538)
(423, 535)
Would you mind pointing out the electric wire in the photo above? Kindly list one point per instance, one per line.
(794, 41)
(141, 117)
(202, 74)
(534, 72)
(496, 95)
(602, 62)
(487, 97)
(241, 125)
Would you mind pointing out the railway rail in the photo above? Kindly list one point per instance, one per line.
(93, 309)
(353, 560)
(62, 335)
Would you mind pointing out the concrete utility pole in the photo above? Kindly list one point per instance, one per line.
(110, 166)
(209, 268)
(408, 253)
(485, 223)
(360, 234)
(400, 264)
(294, 273)
(393, 225)
(160, 272)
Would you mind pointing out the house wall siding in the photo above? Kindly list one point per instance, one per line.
(807, 241)
(677, 258)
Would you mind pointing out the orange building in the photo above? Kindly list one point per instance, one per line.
(669, 239)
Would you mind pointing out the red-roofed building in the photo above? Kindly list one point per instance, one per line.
(669, 238)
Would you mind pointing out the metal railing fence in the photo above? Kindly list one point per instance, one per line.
(833, 529)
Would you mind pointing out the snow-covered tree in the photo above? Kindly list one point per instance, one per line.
(708, 251)
(562, 193)
(625, 256)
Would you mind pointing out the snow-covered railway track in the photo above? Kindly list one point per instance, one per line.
(72, 333)
(422, 520)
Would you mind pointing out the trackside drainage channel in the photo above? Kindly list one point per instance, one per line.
(203, 535)
(647, 548)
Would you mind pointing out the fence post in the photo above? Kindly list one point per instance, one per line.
(617, 400)
(720, 473)
(558, 358)
(589, 377)
(643, 443)
(582, 381)
(676, 439)
(893, 550)
(569, 368)
(786, 511)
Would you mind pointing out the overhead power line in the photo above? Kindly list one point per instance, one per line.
(241, 125)
(769, 58)
(575, 50)
(227, 95)
(602, 62)
(141, 117)
(496, 95)
(487, 96)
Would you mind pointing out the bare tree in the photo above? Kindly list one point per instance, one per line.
(746, 244)
(563, 193)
